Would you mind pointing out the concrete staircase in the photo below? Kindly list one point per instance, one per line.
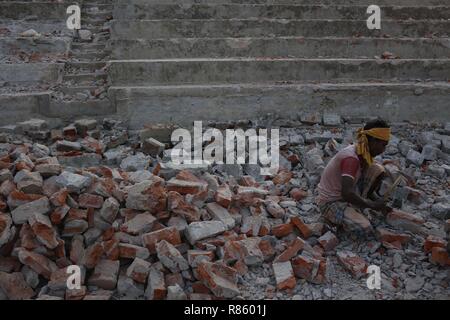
(179, 61)
(83, 91)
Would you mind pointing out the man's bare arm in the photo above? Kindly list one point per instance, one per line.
(349, 195)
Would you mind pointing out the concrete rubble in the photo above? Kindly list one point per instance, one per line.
(140, 228)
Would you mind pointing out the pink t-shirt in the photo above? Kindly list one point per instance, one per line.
(345, 163)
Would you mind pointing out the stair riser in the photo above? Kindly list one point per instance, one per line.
(205, 72)
(159, 105)
(150, 29)
(278, 47)
(292, 2)
(149, 11)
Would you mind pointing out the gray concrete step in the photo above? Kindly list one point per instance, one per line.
(40, 10)
(184, 104)
(161, 29)
(44, 45)
(264, 11)
(290, 2)
(247, 70)
(71, 90)
(17, 107)
(89, 55)
(97, 22)
(85, 66)
(96, 14)
(87, 46)
(73, 109)
(406, 48)
(31, 73)
(85, 78)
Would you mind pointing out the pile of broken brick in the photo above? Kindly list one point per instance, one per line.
(100, 197)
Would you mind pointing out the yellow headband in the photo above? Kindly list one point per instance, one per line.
(362, 147)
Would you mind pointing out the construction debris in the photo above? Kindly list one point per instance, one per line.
(141, 229)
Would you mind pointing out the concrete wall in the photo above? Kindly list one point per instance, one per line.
(183, 104)
(31, 73)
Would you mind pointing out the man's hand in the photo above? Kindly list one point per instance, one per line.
(380, 205)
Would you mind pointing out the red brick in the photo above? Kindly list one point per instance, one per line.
(404, 220)
(198, 287)
(70, 133)
(27, 238)
(195, 256)
(185, 186)
(284, 275)
(17, 198)
(43, 230)
(174, 279)
(177, 204)
(111, 249)
(87, 200)
(309, 268)
(57, 216)
(328, 241)
(39, 263)
(246, 250)
(283, 177)
(3, 205)
(298, 194)
(247, 181)
(187, 175)
(385, 235)
(7, 187)
(267, 250)
(317, 228)
(220, 279)
(76, 214)
(433, 241)
(224, 196)
(292, 250)
(156, 287)
(15, 287)
(274, 209)
(10, 264)
(139, 270)
(255, 226)
(93, 255)
(305, 230)
(130, 251)
(353, 263)
(58, 199)
(169, 234)
(439, 256)
(76, 294)
(77, 249)
(241, 267)
(294, 159)
(282, 230)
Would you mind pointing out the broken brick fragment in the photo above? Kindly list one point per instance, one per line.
(312, 269)
(433, 241)
(356, 265)
(284, 275)
(305, 230)
(223, 196)
(282, 230)
(440, 256)
(220, 279)
(170, 234)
